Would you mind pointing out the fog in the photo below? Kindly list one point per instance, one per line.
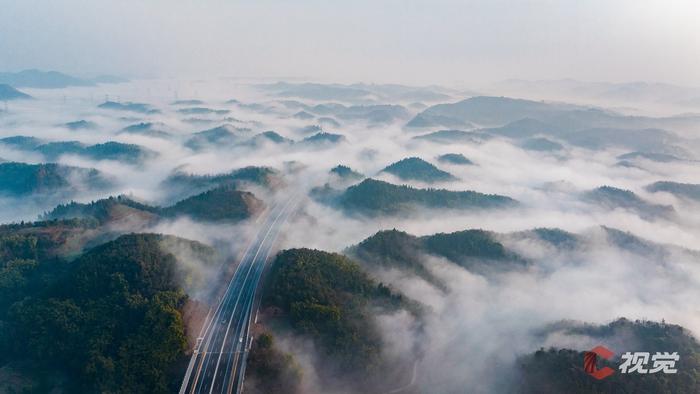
(627, 57)
(498, 317)
(477, 328)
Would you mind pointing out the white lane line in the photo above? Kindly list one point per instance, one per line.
(207, 333)
(235, 307)
(241, 370)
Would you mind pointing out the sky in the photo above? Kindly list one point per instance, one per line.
(403, 41)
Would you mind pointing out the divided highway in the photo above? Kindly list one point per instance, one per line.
(218, 361)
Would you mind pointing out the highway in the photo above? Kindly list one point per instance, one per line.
(218, 361)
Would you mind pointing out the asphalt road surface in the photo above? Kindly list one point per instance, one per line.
(218, 361)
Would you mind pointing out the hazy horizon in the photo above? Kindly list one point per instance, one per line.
(410, 42)
(469, 196)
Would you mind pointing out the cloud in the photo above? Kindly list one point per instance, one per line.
(474, 332)
(495, 318)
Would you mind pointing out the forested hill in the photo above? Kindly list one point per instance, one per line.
(373, 197)
(7, 92)
(414, 168)
(182, 185)
(475, 250)
(328, 299)
(109, 321)
(21, 179)
(221, 204)
(554, 371)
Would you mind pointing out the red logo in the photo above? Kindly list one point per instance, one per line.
(590, 359)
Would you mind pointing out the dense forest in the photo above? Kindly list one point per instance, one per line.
(103, 211)
(110, 150)
(221, 204)
(270, 370)
(414, 168)
(182, 185)
(373, 197)
(561, 370)
(112, 318)
(327, 297)
(475, 250)
(21, 179)
(108, 321)
(345, 172)
(612, 197)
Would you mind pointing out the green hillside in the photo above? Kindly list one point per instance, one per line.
(109, 321)
(327, 298)
(414, 168)
(373, 197)
(550, 371)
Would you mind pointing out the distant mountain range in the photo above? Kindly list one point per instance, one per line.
(494, 112)
(52, 79)
(202, 111)
(627, 92)
(187, 102)
(375, 114)
(7, 93)
(357, 92)
(454, 136)
(585, 127)
(129, 106)
(491, 111)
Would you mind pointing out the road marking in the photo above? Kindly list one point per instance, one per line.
(241, 371)
(208, 325)
(249, 288)
(240, 293)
